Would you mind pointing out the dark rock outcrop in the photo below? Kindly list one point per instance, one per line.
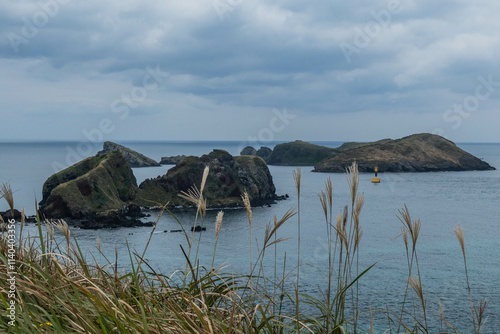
(416, 153)
(228, 179)
(299, 153)
(174, 160)
(7, 215)
(112, 219)
(134, 159)
(249, 150)
(198, 229)
(98, 189)
(265, 153)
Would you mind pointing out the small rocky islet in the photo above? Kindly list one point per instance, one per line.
(102, 191)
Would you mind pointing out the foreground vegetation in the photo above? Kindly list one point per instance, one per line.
(59, 290)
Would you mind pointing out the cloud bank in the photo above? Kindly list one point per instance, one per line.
(347, 71)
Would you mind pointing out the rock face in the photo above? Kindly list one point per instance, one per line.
(263, 152)
(174, 160)
(299, 153)
(249, 150)
(97, 189)
(416, 153)
(227, 180)
(134, 159)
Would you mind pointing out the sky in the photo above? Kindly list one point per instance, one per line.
(249, 70)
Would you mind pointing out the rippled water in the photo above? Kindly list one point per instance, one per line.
(440, 200)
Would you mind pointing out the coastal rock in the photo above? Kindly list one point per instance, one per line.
(228, 179)
(113, 219)
(265, 153)
(95, 186)
(299, 153)
(174, 160)
(7, 215)
(134, 159)
(198, 229)
(416, 153)
(249, 150)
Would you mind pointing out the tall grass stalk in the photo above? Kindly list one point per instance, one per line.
(411, 228)
(248, 208)
(477, 311)
(195, 196)
(8, 195)
(297, 175)
(218, 226)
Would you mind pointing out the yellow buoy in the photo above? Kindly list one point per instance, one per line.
(376, 179)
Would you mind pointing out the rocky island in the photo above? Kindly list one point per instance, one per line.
(101, 191)
(299, 153)
(134, 159)
(416, 153)
(95, 192)
(228, 179)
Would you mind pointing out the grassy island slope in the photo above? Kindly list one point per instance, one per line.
(416, 153)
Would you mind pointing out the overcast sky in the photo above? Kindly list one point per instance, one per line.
(240, 69)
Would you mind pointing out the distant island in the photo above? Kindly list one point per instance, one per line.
(416, 153)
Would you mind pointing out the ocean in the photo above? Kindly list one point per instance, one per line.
(440, 200)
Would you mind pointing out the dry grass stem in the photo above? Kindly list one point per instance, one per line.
(248, 207)
(218, 224)
(416, 284)
(6, 192)
(297, 176)
(459, 232)
(352, 175)
(204, 178)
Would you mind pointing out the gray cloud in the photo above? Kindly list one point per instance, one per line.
(68, 69)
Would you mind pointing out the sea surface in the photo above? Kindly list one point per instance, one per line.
(440, 200)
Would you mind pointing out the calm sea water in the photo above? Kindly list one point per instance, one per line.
(439, 200)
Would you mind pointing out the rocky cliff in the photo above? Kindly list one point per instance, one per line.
(99, 188)
(263, 152)
(416, 153)
(249, 150)
(228, 179)
(134, 159)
